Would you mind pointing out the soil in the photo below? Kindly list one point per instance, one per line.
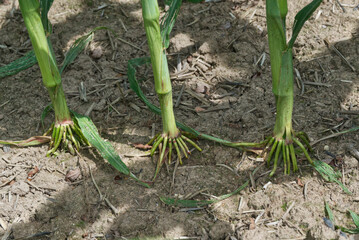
(222, 42)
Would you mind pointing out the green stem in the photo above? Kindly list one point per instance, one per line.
(45, 58)
(161, 74)
(168, 117)
(284, 98)
(62, 113)
(275, 14)
(283, 122)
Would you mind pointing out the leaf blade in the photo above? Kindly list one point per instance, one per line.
(300, 19)
(105, 148)
(32, 141)
(329, 212)
(328, 173)
(355, 218)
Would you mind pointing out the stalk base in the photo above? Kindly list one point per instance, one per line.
(283, 148)
(165, 144)
(67, 134)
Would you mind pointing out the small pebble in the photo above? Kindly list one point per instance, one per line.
(202, 87)
(343, 235)
(97, 53)
(6, 148)
(73, 174)
(329, 223)
(20, 188)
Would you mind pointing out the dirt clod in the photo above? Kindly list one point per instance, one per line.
(20, 188)
(97, 53)
(220, 230)
(73, 174)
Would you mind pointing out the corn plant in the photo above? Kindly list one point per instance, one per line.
(281, 54)
(64, 130)
(171, 135)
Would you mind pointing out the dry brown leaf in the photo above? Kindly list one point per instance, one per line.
(142, 146)
(199, 109)
(31, 174)
(299, 182)
(252, 225)
(73, 174)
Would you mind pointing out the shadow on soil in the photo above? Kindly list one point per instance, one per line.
(229, 46)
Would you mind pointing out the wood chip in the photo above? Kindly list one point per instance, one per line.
(197, 96)
(3, 224)
(134, 106)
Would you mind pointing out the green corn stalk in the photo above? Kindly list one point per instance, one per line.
(171, 136)
(63, 130)
(281, 54)
(159, 64)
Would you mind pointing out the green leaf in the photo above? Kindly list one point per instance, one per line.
(329, 174)
(347, 230)
(33, 141)
(45, 6)
(78, 46)
(45, 112)
(168, 21)
(355, 218)
(301, 17)
(283, 9)
(30, 59)
(18, 65)
(105, 148)
(329, 212)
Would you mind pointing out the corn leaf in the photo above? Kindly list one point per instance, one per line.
(329, 212)
(29, 59)
(168, 21)
(328, 173)
(75, 49)
(18, 65)
(105, 148)
(33, 141)
(347, 230)
(45, 6)
(45, 112)
(301, 17)
(355, 218)
(78, 46)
